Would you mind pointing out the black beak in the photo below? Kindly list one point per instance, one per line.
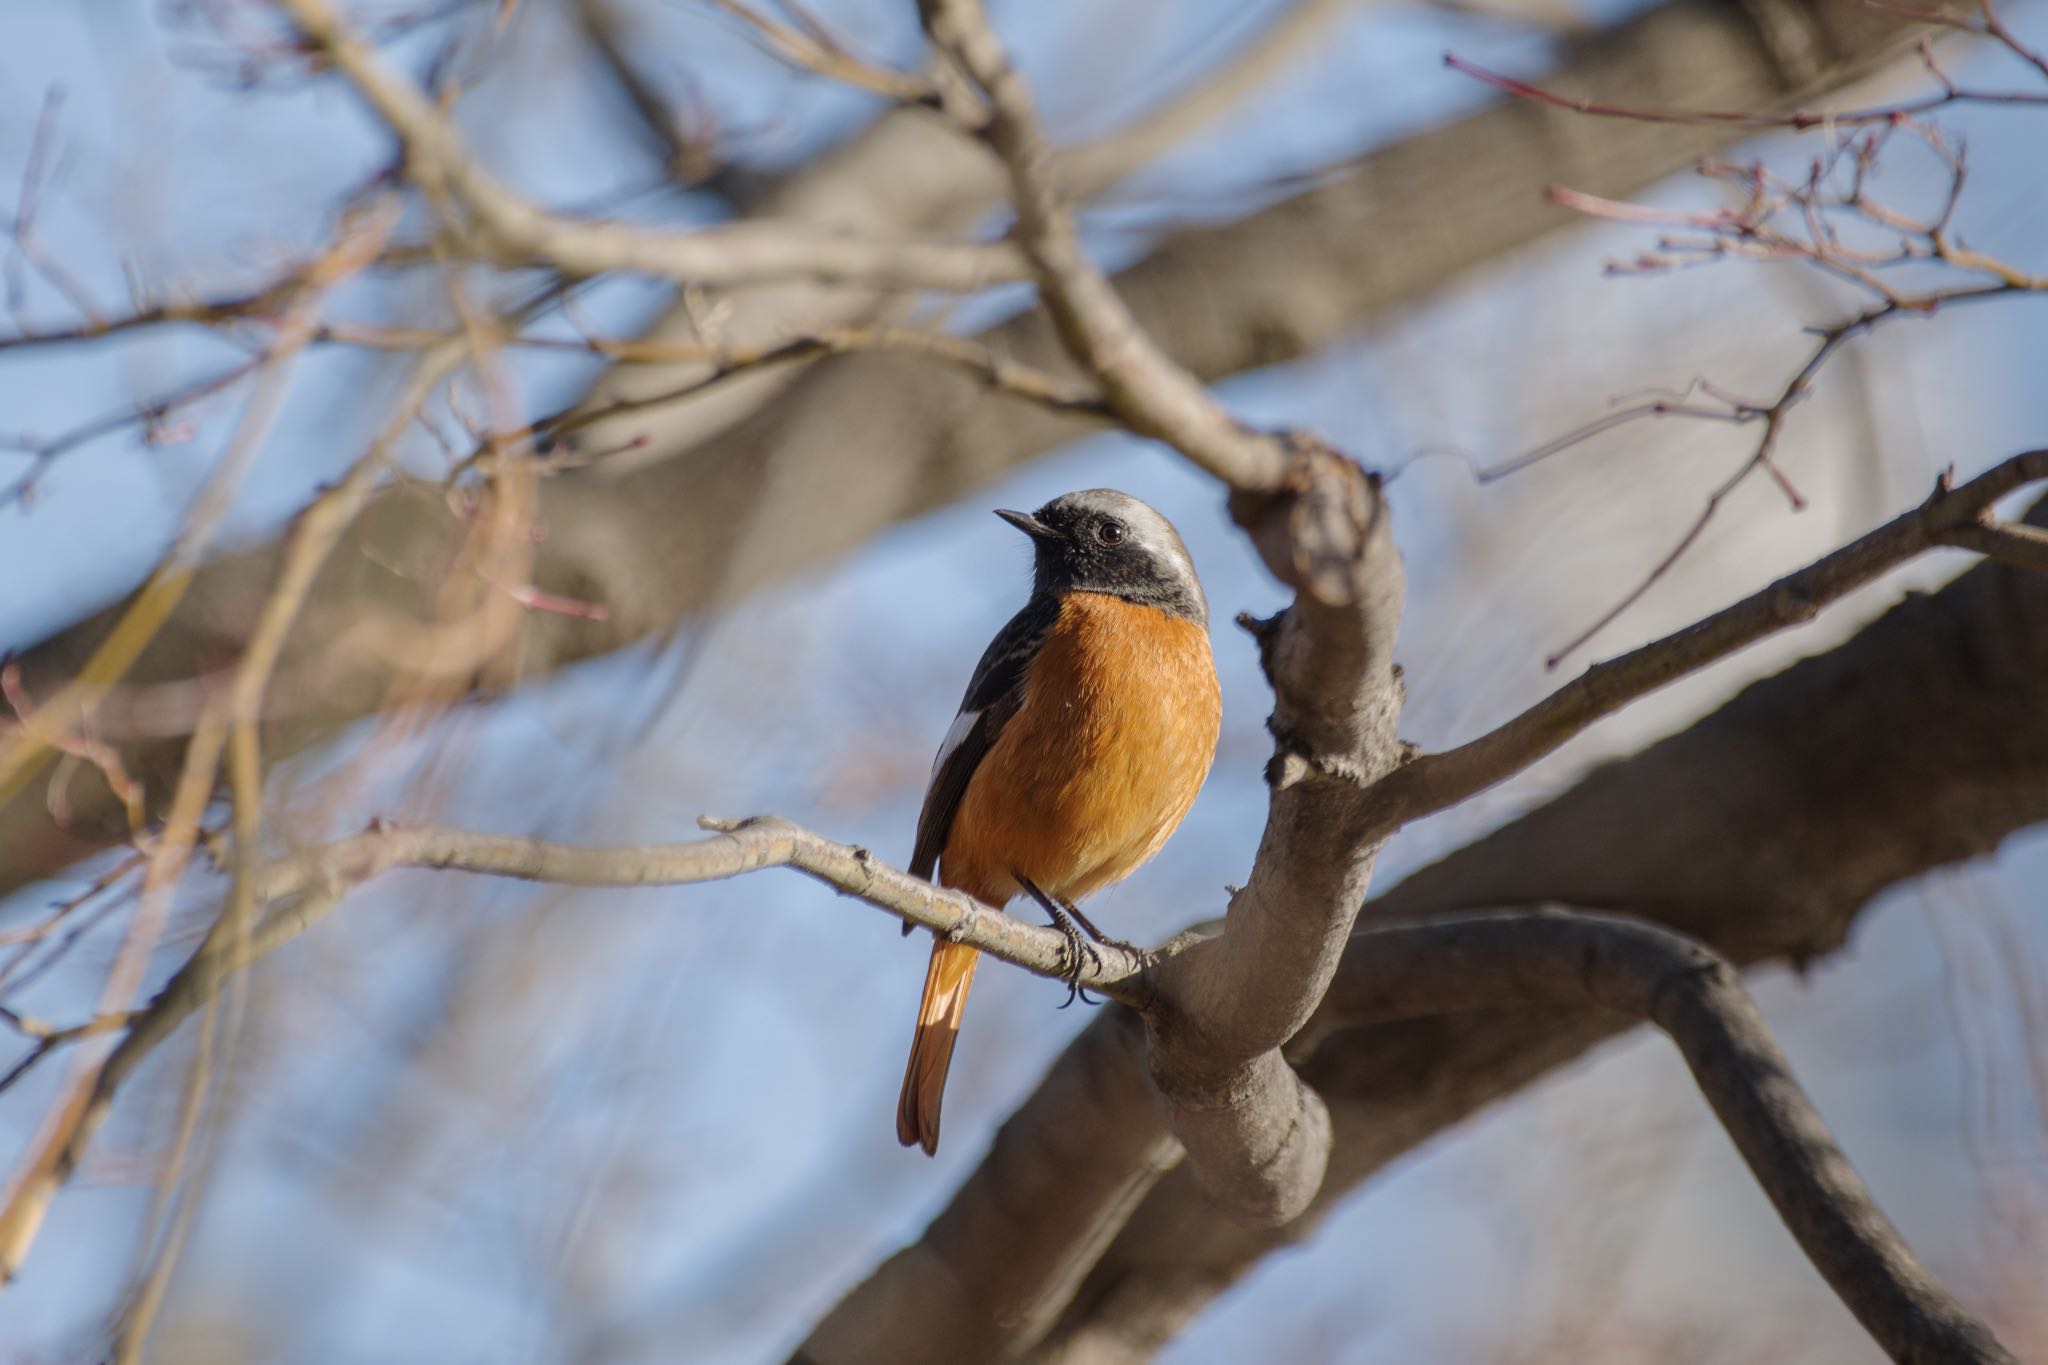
(1028, 524)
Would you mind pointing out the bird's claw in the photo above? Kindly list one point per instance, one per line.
(1075, 955)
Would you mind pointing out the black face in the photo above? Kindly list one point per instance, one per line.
(1104, 541)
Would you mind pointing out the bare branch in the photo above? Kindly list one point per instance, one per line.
(1797, 218)
(1522, 958)
(738, 847)
(2023, 547)
(520, 233)
(1000, 373)
(810, 47)
(1436, 781)
(303, 887)
(1155, 396)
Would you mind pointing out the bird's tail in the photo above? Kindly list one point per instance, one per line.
(946, 983)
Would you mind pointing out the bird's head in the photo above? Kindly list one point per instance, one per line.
(1100, 540)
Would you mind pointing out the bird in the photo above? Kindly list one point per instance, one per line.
(1086, 731)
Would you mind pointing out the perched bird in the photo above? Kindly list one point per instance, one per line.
(1085, 734)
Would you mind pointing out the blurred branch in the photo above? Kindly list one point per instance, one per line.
(303, 887)
(874, 439)
(810, 47)
(520, 233)
(720, 362)
(227, 725)
(156, 415)
(1523, 958)
(357, 239)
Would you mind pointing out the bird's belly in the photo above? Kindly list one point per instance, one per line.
(1101, 762)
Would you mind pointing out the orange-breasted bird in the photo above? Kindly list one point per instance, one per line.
(1086, 732)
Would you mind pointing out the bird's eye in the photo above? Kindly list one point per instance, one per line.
(1110, 532)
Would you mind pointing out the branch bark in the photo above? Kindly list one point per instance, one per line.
(738, 847)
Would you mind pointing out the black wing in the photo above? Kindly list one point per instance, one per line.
(993, 696)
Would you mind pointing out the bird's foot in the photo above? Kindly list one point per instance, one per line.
(1075, 953)
(1121, 945)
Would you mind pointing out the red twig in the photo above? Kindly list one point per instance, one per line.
(533, 599)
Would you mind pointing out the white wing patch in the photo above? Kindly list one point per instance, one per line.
(963, 726)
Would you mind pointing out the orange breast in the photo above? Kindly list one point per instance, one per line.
(1090, 777)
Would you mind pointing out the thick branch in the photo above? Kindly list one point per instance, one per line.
(1919, 743)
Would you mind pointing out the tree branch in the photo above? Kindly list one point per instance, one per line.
(907, 172)
(1918, 743)
(1436, 781)
(739, 846)
(1523, 958)
(1155, 396)
(2023, 547)
(517, 232)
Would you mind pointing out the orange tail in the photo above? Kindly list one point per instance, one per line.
(946, 983)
